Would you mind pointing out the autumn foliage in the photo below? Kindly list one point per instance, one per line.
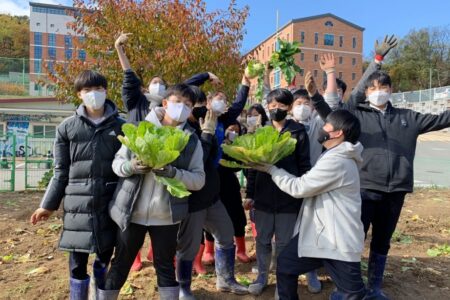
(170, 38)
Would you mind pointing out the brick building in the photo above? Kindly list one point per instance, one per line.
(51, 39)
(317, 35)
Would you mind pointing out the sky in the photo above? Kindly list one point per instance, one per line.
(377, 17)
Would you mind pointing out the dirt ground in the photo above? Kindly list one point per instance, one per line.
(31, 267)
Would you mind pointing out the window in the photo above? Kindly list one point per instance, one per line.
(315, 73)
(302, 72)
(341, 60)
(56, 11)
(38, 38)
(329, 24)
(324, 76)
(52, 25)
(44, 130)
(302, 56)
(316, 57)
(277, 45)
(37, 52)
(353, 76)
(52, 52)
(39, 9)
(353, 61)
(287, 37)
(82, 55)
(37, 66)
(38, 24)
(277, 78)
(302, 37)
(81, 39)
(68, 41)
(316, 38)
(328, 39)
(50, 68)
(341, 41)
(340, 75)
(52, 39)
(68, 54)
(354, 42)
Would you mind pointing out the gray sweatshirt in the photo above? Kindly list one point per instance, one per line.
(329, 224)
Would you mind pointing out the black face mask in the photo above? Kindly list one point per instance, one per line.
(278, 114)
(323, 136)
(199, 112)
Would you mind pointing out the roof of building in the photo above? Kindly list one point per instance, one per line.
(51, 5)
(298, 20)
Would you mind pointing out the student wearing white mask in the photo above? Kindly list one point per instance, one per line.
(256, 117)
(141, 204)
(156, 90)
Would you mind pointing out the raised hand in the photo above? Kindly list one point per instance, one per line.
(383, 49)
(310, 84)
(122, 39)
(327, 62)
(214, 79)
(208, 125)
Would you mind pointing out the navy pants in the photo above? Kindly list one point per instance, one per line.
(346, 275)
(78, 263)
(382, 211)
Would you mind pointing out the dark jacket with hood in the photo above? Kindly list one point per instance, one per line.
(260, 187)
(84, 178)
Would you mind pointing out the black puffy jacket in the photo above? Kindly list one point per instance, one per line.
(84, 178)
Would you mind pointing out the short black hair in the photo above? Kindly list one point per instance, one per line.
(383, 78)
(340, 84)
(347, 122)
(181, 90)
(200, 96)
(88, 79)
(301, 93)
(280, 95)
(260, 109)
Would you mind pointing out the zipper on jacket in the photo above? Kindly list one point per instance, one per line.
(386, 121)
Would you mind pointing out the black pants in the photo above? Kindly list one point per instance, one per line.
(78, 263)
(164, 242)
(382, 211)
(346, 275)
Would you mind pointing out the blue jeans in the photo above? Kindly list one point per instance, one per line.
(346, 275)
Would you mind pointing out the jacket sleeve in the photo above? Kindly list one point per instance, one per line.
(194, 177)
(236, 107)
(197, 79)
(56, 188)
(208, 144)
(123, 156)
(131, 90)
(322, 178)
(358, 94)
(251, 182)
(302, 153)
(429, 122)
(322, 108)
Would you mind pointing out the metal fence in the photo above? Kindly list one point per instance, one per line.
(7, 163)
(38, 160)
(440, 93)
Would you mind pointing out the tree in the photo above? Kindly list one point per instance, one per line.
(418, 53)
(171, 38)
(14, 36)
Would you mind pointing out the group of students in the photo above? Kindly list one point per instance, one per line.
(351, 169)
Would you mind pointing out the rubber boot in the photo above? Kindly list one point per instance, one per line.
(375, 272)
(150, 252)
(137, 264)
(99, 272)
(198, 266)
(107, 294)
(263, 260)
(208, 255)
(240, 250)
(338, 295)
(79, 289)
(225, 259)
(314, 284)
(184, 278)
(169, 293)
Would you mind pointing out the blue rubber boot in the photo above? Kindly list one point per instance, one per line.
(263, 260)
(226, 282)
(169, 293)
(377, 263)
(79, 289)
(184, 278)
(107, 294)
(314, 284)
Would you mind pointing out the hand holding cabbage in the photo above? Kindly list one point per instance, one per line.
(265, 146)
(157, 147)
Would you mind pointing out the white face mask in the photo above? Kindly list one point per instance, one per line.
(232, 135)
(251, 121)
(178, 111)
(94, 99)
(218, 106)
(379, 98)
(302, 112)
(157, 89)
